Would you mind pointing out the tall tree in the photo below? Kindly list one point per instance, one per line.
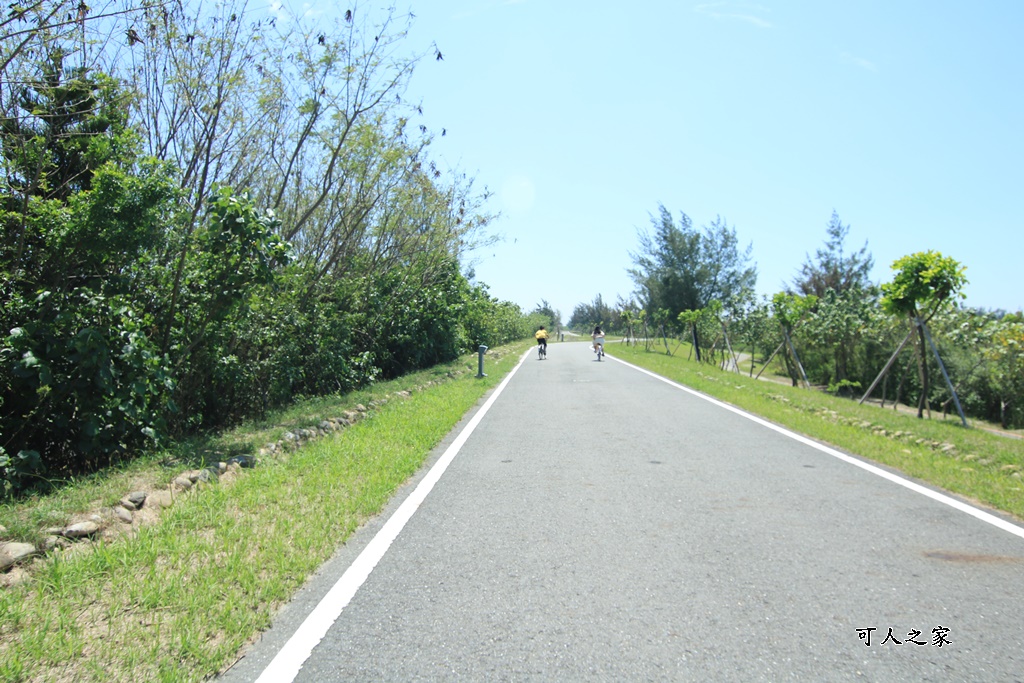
(1006, 366)
(791, 310)
(757, 329)
(80, 380)
(840, 280)
(836, 325)
(924, 283)
(553, 317)
(586, 315)
(680, 268)
(832, 267)
(124, 279)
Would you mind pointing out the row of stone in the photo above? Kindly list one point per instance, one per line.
(298, 437)
(942, 447)
(11, 553)
(899, 435)
(61, 537)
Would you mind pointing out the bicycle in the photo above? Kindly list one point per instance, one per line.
(599, 350)
(542, 351)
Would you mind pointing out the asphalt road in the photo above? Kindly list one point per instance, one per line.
(600, 524)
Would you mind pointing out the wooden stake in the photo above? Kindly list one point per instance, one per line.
(886, 369)
(945, 375)
(777, 349)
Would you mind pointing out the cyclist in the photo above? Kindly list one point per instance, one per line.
(598, 337)
(542, 342)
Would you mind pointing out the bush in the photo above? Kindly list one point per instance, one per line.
(82, 381)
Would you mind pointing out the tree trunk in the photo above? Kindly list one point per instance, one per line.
(922, 370)
(841, 361)
(790, 370)
(728, 344)
(796, 359)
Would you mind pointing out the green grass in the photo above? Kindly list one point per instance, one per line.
(973, 463)
(179, 599)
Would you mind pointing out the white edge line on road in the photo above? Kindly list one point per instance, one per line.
(923, 490)
(286, 664)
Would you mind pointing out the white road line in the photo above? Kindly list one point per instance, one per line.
(286, 664)
(923, 490)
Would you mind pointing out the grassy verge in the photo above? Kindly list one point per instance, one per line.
(177, 600)
(973, 463)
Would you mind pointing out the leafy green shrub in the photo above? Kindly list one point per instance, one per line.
(83, 382)
(20, 472)
(217, 324)
(844, 387)
(130, 307)
(488, 321)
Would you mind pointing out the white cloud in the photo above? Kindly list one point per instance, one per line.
(848, 58)
(285, 13)
(751, 14)
(280, 13)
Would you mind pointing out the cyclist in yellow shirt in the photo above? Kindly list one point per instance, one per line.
(542, 342)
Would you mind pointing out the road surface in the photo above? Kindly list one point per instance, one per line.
(601, 524)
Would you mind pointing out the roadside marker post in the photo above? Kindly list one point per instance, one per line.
(480, 371)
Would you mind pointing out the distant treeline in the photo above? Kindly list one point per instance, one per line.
(832, 327)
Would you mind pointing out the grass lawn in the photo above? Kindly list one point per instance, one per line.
(974, 463)
(177, 599)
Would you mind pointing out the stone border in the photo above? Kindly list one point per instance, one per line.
(141, 508)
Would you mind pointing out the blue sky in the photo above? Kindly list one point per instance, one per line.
(582, 116)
